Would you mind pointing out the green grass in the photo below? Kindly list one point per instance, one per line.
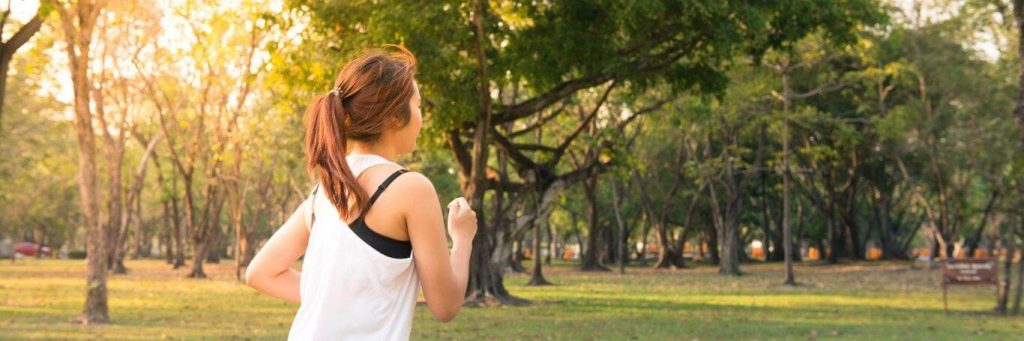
(39, 299)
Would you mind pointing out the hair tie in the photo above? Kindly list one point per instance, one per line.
(337, 93)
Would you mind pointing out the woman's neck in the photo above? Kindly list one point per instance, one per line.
(380, 149)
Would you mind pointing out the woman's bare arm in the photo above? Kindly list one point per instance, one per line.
(443, 274)
(270, 270)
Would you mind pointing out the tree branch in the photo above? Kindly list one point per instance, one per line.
(560, 92)
(539, 122)
(21, 37)
(560, 150)
(461, 153)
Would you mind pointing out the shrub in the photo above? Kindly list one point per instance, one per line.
(76, 254)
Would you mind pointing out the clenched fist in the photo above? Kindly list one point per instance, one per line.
(461, 220)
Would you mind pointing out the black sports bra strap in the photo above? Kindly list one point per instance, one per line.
(312, 206)
(381, 188)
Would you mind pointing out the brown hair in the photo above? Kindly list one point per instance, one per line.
(371, 94)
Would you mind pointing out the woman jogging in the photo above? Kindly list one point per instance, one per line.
(371, 232)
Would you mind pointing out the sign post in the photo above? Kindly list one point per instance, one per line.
(967, 272)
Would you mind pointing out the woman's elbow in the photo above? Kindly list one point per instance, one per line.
(445, 314)
(251, 277)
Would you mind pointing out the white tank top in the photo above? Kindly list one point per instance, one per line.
(348, 289)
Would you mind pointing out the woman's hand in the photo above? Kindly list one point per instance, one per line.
(461, 220)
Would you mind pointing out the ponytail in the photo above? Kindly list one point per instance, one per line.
(326, 125)
(371, 95)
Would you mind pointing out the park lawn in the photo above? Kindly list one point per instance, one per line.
(40, 298)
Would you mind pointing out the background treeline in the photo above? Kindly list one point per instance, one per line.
(616, 129)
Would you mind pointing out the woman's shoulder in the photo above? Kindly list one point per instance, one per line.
(412, 192)
(413, 183)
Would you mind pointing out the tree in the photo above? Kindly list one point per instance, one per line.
(659, 183)
(120, 109)
(785, 64)
(38, 157)
(9, 47)
(201, 119)
(78, 22)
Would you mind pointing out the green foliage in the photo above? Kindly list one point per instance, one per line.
(77, 254)
(38, 188)
(542, 45)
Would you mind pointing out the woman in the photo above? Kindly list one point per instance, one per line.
(367, 255)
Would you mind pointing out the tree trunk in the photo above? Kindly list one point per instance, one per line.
(854, 241)
(486, 285)
(241, 240)
(168, 234)
(887, 229)
(641, 254)
(716, 256)
(835, 235)
(608, 250)
(213, 250)
(787, 238)
(972, 243)
(582, 243)
(591, 258)
(552, 244)
(216, 244)
(199, 252)
(799, 232)
(1020, 283)
(140, 237)
(78, 43)
(517, 258)
(773, 239)
(203, 239)
(178, 233)
(622, 228)
(730, 263)
(115, 229)
(1003, 292)
(667, 256)
(728, 236)
(537, 277)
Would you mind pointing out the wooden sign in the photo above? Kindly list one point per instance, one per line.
(967, 272)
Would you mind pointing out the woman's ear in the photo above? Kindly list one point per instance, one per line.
(396, 123)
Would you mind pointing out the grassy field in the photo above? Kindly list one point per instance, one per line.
(40, 298)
